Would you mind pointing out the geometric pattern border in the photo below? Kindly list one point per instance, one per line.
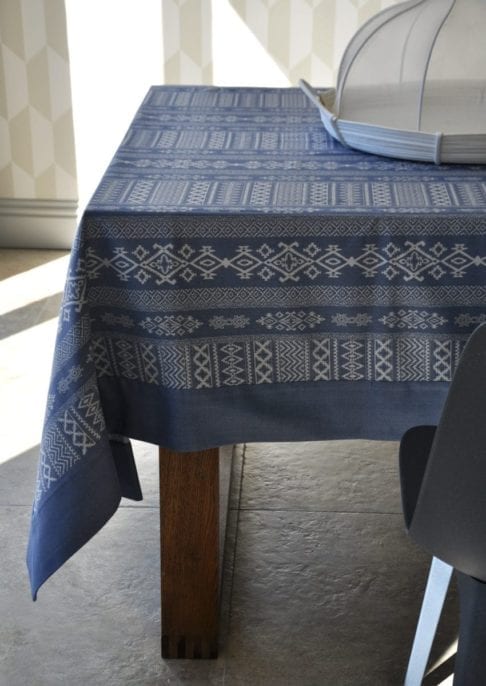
(290, 320)
(75, 429)
(234, 361)
(285, 261)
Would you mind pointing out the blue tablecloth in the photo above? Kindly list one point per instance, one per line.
(239, 276)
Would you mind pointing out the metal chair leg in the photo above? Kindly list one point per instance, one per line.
(470, 663)
(434, 596)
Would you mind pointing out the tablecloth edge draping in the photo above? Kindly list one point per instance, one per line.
(107, 475)
(183, 420)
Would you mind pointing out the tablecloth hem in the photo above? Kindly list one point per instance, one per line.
(193, 420)
(88, 498)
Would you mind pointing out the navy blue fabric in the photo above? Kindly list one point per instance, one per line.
(72, 515)
(240, 276)
(277, 412)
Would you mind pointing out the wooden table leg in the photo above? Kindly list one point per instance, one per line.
(189, 541)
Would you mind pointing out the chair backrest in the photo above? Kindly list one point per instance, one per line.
(450, 516)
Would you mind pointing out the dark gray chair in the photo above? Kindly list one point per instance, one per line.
(443, 482)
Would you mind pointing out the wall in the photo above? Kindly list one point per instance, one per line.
(227, 42)
(37, 162)
(280, 40)
(187, 33)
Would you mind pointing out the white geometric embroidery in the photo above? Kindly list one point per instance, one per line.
(459, 260)
(232, 364)
(292, 360)
(243, 263)
(343, 319)
(442, 356)
(468, 320)
(383, 355)
(100, 356)
(210, 363)
(369, 261)
(352, 352)
(263, 360)
(45, 476)
(70, 433)
(61, 455)
(45, 461)
(201, 361)
(67, 437)
(413, 319)
(70, 427)
(238, 321)
(412, 359)
(206, 262)
(174, 365)
(88, 410)
(414, 262)
(290, 321)
(126, 358)
(321, 359)
(289, 262)
(149, 362)
(74, 296)
(69, 342)
(171, 325)
(166, 264)
(74, 374)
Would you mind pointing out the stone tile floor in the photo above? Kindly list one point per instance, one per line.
(321, 586)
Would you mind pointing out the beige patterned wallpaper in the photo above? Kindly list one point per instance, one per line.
(36, 130)
(297, 38)
(305, 38)
(187, 41)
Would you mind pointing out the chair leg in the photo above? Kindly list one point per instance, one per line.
(435, 593)
(470, 664)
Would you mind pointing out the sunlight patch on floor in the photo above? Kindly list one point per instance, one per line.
(32, 285)
(26, 356)
(25, 366)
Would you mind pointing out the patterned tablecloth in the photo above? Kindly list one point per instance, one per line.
(239, 276)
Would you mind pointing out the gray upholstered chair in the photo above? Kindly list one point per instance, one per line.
(443, 482)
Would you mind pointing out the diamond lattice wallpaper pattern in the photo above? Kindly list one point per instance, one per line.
(187, 41)
(305, 38)
(36, 127)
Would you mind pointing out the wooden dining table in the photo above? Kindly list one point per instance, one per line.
(240, 276)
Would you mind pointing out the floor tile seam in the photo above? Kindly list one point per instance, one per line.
(242, 473)
(18, 505)
(235, 546)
